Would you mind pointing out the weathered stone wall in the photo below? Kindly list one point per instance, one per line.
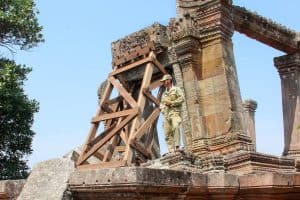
(49, 180)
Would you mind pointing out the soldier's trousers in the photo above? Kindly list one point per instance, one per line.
(171, 130)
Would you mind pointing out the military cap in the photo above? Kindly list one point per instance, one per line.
(166, 77)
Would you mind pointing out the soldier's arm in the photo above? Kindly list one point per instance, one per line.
(162, 105)
(180, 98)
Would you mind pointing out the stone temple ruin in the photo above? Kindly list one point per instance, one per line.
(220, 160)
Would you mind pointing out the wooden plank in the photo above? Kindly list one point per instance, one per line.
(114, 108)
(123, 92)
(140, 132)
(141, 105)
(106, 138)
(98, 155)
(150, 136)
(131, 66)
(114, 100)
(102, 135)
(117, 163)
(120, 148)
(135, 144)
(112, 144)
(158, 65)
(151, 97)
(124, 137)
(114, 115)
(123, 82)
(109, 151)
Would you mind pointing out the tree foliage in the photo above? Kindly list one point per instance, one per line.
(19, 25)
(19, 28)
(16, 119)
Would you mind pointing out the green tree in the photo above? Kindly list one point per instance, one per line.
(19, 25)
(19, 29)
(16, 118)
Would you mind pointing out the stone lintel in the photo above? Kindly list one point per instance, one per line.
(264, 30)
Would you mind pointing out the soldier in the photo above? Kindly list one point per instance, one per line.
(170, 106)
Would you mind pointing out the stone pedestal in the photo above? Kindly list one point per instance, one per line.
(249, 117)
(289, 70)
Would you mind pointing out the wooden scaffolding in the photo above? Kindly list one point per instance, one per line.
(127, 134)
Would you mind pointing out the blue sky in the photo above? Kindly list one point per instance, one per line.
(76, 57)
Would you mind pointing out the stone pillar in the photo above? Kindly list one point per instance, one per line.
(289, 70)
(249, 112)
(188, 53)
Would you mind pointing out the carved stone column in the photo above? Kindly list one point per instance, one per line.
(188, 53)
(249, 112)
(289, 70)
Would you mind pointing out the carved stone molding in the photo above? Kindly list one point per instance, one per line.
(179, 28)
(195, 3)
(287, 64)
(186, 45)
(155, 33)
(214, 21)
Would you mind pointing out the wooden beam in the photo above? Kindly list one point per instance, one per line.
(123, 92)
(123, 81)
(135, 144)
(124, 137)
(112, 144)
(114, 100)
(131, 66)
(120, 148)
(106, 138)
(158, 65)
(151, 97)
(117, 163)
(140, 132)
(114, 115)
(141, 105)
(109, 151)
(101, 135)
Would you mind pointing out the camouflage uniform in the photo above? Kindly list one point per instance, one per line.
(174, 96)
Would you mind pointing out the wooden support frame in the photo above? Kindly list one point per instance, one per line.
(126, 125)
